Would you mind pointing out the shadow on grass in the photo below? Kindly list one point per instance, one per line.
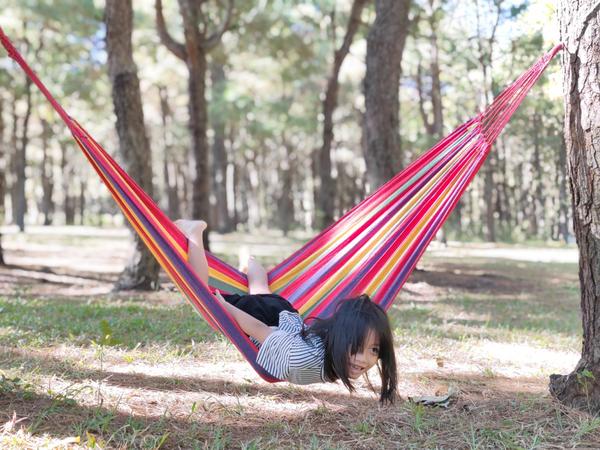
(491, 412)
(473, 282)
(506, 314)
(65, 369)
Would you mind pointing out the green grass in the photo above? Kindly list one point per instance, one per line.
(44, 322)
(117, 372)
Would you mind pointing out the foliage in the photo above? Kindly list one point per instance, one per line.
(276, 59)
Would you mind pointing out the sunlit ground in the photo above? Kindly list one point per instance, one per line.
(488, 323)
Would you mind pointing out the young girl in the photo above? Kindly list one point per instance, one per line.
(342, 347)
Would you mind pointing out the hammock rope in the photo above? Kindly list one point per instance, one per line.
(371, 249)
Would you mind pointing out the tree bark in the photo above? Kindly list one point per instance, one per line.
(580, 31)
(142, 270)
(326, 190)
(563, 201)
(385, 45)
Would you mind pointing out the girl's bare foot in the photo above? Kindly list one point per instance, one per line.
(192, 229)
(258, 279)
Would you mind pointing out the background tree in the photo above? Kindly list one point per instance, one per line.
(142, 271)
(385, 46)
(580, 31)
(198, 43)
(326, 191)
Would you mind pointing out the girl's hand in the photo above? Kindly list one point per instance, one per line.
(219, 296)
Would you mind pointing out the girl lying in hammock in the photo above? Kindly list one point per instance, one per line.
(343, 347)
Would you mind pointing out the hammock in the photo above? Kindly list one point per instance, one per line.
(372, 249)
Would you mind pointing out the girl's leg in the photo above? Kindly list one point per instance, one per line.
(193, 230)
(258, 282)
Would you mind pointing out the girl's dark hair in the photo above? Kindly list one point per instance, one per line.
(345, 333)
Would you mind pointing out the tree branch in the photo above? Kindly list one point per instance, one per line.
(175, 47)
(213, 40)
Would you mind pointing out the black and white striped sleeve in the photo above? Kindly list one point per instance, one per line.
(288, 356)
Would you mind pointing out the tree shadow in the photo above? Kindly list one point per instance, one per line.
(453, 278)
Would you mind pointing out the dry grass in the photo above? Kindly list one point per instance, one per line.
(491, 330)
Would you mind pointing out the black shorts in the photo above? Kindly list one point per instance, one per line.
(264, 307)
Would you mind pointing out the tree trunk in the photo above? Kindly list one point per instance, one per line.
(169, 166)
(197, 45)
(82, 191)
(142, 270)
(12, 159)
(580, 31)
(2, 172)
(46, 176)
(68, 199)
(286, 199)
(385, 45)
(219, 152)
(20, 205)
(326, 190)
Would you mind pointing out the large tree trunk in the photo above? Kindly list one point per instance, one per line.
(142, 270)
(326, 190)
(385, 45)
(580, 31)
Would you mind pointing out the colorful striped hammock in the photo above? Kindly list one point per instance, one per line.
(372, 249)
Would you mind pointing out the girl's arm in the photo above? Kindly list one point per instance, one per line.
(251, 326)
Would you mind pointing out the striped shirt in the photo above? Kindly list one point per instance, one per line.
(286, 355)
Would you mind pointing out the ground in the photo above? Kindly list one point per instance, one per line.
(83, 367)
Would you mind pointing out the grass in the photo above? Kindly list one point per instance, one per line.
(121, 371)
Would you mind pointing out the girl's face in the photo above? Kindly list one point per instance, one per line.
(359, 363)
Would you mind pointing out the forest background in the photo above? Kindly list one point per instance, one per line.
(286, 149)
(266, 84)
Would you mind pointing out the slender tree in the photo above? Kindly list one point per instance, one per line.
(20, 203)
(2, 170)
(198, 43)
(220, 216)
(434, 122)
(47, 204)
(326, 192)
(169, 164)
(580, 31)
(385, 46)
(142, 270)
